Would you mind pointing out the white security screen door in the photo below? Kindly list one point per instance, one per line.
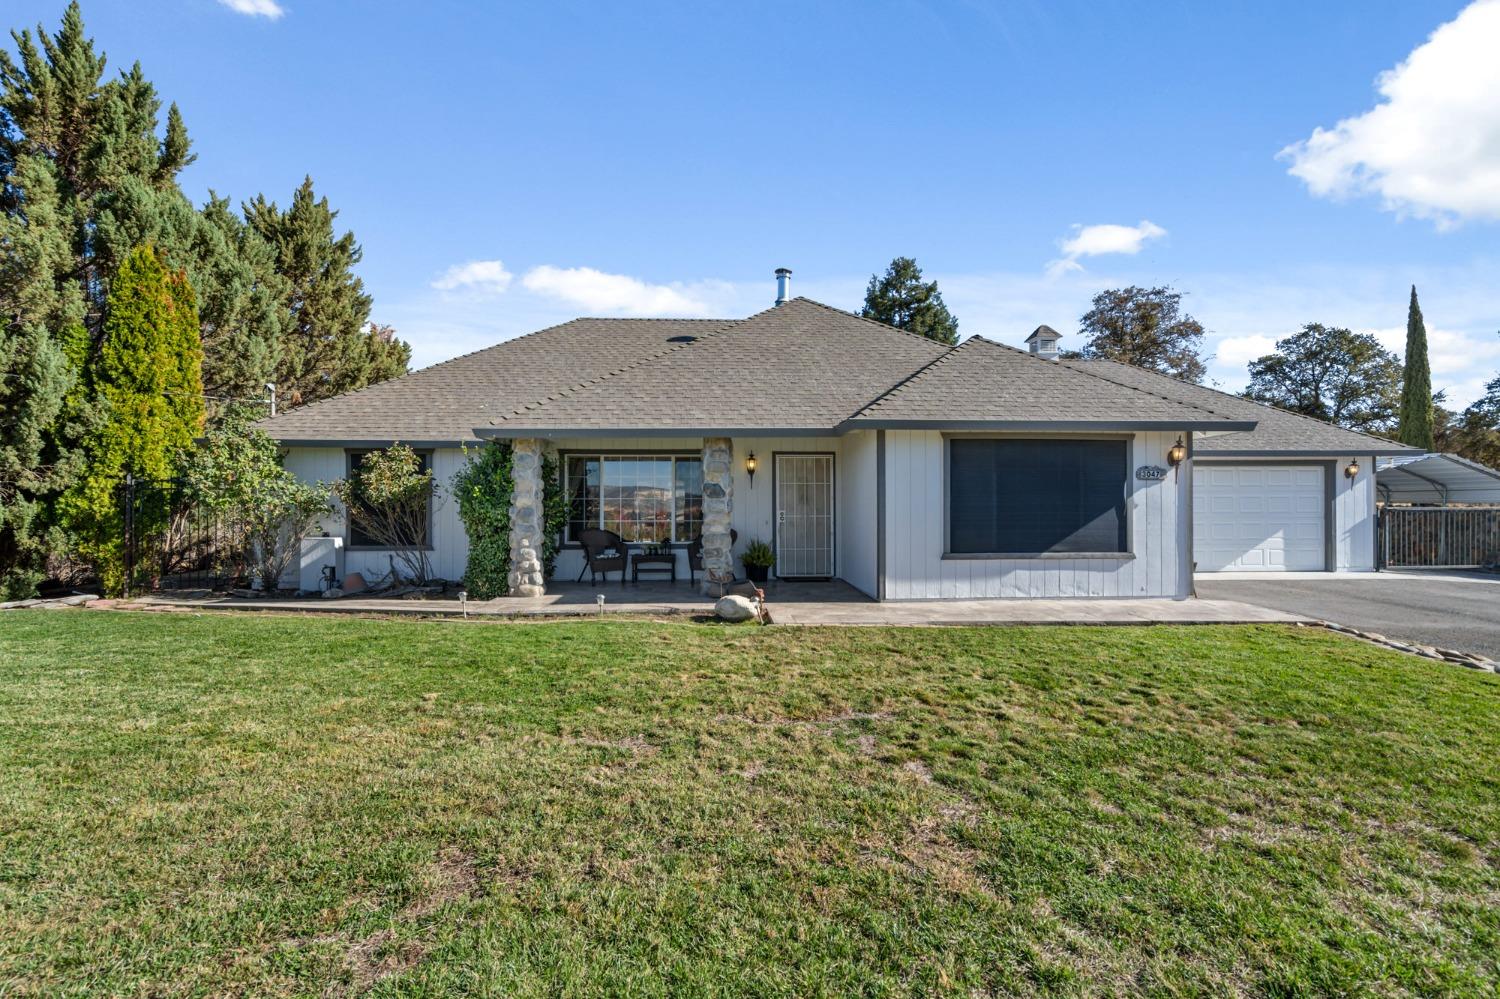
(804, 515)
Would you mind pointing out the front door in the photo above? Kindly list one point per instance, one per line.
(804, 516)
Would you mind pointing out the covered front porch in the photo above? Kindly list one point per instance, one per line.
(812, 499)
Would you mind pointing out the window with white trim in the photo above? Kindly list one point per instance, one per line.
(648, 498)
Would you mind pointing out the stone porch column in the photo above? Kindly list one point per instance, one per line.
(718, 506)
(526, 579)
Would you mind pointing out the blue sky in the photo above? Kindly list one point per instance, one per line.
(507, 166)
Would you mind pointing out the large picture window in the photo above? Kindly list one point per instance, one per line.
(359, 539)
(1036, 497)
(642, 498)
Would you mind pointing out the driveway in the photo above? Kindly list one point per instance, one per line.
(1448, 609)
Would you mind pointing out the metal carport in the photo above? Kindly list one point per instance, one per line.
(1435, 479)
(1438, 510)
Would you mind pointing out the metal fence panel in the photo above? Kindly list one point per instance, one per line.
(1449, 536)
(172, 541)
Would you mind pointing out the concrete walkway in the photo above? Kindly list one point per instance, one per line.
(832, 603)
(991, 612)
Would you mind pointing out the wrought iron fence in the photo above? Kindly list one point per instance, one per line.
(173, 541)
(1447, 536)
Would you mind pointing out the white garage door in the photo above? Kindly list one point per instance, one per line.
(1258, 517)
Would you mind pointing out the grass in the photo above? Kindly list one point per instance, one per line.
(220, 805)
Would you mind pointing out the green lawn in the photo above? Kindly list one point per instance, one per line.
(219, 805)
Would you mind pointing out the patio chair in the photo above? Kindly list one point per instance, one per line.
(603, 552)
(695, 554)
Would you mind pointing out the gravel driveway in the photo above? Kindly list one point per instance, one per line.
(1448, 609)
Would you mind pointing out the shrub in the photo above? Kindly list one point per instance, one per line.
(389, 498)
(263, 509)
(483, 488)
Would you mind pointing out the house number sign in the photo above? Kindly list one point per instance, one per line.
(1151, 473)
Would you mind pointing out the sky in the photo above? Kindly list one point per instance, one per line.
(508, 166)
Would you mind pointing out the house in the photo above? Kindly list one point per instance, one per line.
(907, 468)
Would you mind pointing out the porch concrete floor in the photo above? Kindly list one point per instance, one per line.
(790, 603)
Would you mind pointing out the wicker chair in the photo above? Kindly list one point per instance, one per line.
(695, 554)
(603, 552)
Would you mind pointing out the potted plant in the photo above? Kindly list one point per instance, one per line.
(758, 559)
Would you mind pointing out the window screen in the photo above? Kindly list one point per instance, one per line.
(1036, 496)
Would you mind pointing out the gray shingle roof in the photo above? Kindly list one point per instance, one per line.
(1276, 431)
(983, 383)
(801, 366)
(444, 403)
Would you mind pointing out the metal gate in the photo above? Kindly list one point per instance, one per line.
(1446, 536)
(171, 541)
(804, 516)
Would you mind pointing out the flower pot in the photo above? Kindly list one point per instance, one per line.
(757, 573)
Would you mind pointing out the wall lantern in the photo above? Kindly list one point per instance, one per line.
(750, 467)
(1177, 453)
(1352, 469)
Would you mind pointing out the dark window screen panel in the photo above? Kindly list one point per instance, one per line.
(1036, 496)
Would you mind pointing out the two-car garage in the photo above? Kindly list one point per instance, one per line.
(1261, 517)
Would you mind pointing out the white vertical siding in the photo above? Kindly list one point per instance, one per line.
(915, 523)
(855, 476)
(449, 542)
(1354, 517)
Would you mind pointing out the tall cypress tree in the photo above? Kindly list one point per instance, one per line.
(147, 379)
(1415, 427)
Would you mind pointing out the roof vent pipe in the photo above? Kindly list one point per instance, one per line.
(1043, 342)
(783, 285)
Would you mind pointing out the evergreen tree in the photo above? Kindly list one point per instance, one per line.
(88, 173)
(1144, 327)
(241, 303)
(147, 377)
(900, 298)
(1415, 427)
(40, 326)
(328, 346)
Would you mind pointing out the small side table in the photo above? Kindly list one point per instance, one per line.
(652, 562)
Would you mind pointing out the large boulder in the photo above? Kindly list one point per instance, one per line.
(737, 608)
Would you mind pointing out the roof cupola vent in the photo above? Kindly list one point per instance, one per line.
(1043, 342)
(783, 285)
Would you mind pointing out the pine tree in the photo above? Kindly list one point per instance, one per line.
(900, 298)
(1415, 427)
(328, 346)
(147, 377)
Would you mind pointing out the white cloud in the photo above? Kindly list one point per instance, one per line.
(1097, 240)
(255, 8)
(1244, 312)
(488, 276)
(617, 293)
(1239, 351)
(1431, 147)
